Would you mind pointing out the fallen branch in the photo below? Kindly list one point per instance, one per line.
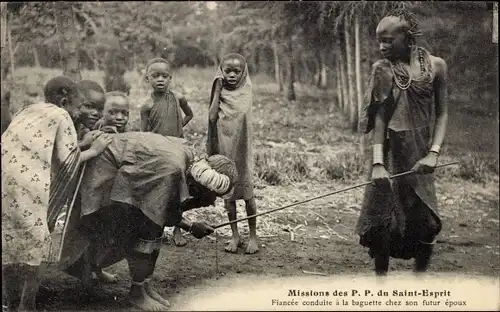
(314, 273)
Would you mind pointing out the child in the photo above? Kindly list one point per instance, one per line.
(40, 160)
(91, 110)
(116, 113)
(161, 113)
(408, 86)
(230, 134)
(87, 122)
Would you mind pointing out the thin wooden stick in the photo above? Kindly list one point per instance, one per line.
(70, 209)
(321, 196)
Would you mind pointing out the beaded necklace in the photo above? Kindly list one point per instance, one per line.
(402, 76)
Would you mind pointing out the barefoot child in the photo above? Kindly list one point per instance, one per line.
(230, 134)
(162, 112)
(116, 113)
(40, 160)
(408, 86)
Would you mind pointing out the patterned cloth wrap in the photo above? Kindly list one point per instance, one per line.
(40, 159)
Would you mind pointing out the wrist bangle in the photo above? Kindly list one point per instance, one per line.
(378, 154)
(435, 148)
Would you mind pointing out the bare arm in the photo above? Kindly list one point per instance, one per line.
(88, 154)
(379, 173)
(145, 110)
(97, 147)
(441, 100)
(214, 106)
(188, 112)
(428, 163)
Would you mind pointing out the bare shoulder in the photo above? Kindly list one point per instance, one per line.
(179, 95)
(381, 68)
(439, 65)
(381, 63)
(147, 104)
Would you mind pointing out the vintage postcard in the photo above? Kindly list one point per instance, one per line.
(250, 156)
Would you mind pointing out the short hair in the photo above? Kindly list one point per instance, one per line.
(90, 85)
(58, 88)
(157, 60)
(117, 93)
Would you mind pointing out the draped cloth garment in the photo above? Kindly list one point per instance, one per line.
(165, 117)
(40, 161)
(409, 209)
(232, 134)
(143, 170)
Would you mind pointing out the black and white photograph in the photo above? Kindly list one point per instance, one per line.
(250, 156)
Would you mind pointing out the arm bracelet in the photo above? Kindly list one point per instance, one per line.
(378, 154)
(435, 148)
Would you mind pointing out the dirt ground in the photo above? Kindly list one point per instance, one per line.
(468, 244)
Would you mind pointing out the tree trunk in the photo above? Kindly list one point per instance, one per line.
(277, 71)
(338, 78)
(320, 66)
(353, 108)
(11, 47)
(3, 25)
(322, 73)
(359, 86)
(359, 75)
(36, 59)
(291, 72)
(343, 79)
(69, 40)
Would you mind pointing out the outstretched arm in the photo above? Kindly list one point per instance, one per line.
(214, 106)
(197, 229)
(188, 112)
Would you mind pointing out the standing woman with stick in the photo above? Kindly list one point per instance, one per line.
(407, 88)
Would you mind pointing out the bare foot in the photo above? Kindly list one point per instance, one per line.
(234, 244)
(141, 300)
(105, 277)
(253, 246)
(179, 240)
(156, 296)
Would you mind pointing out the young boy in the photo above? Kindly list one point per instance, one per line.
(408, 86)
(230, 134)
(116, 113)
(40, 160)
(162, 112)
